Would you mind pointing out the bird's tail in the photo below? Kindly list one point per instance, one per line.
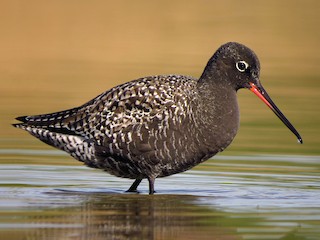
(50, 120)
(53, 129)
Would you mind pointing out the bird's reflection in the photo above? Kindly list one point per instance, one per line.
(126, 216)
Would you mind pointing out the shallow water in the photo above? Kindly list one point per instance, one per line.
(247, 197)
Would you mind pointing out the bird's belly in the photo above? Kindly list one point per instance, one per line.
(157, 163)
(182, 165)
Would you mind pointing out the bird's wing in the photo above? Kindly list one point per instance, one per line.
(143, 101)
(129, 122)
(130, 110)
(133, 121)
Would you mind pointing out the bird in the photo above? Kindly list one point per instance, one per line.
(160, 125)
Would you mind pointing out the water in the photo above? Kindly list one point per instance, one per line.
(59, 54)
(247, 197)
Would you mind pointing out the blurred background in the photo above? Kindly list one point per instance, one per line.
(59, 54)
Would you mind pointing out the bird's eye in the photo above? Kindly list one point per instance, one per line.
(242, 66)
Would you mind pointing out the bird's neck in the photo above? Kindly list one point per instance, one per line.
(219, 113)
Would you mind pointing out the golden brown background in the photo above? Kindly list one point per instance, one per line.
(59, 54)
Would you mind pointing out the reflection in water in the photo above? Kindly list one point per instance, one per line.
(234, 198)
(125, 216)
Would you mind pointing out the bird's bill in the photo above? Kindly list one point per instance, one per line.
(263, 95)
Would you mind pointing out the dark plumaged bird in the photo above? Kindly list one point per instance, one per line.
(161, 125)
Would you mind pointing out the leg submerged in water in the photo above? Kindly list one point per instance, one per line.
(134, 185)
(151, 185)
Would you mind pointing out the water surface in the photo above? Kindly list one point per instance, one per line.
(247, 197)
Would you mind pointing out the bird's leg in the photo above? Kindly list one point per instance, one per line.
(134, 185)
(151, 185)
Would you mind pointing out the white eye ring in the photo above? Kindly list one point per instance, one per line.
(242, 66)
